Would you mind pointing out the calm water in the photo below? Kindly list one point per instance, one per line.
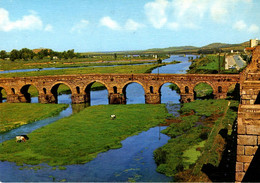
(133, 162)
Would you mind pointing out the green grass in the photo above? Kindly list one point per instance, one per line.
(88, 70)
(15, 115)
(79, 138)
(181, 153)
(191, 155)
(207, 65)
(75, 62)
(203, 90)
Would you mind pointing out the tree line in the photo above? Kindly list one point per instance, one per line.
(27, 54)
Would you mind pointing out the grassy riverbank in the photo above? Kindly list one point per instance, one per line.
(196, 139)
(47, 63)
(88, 70)
(79, 138)
(15, 115)
(209, 64)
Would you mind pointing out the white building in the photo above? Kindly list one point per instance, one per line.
(253, 42)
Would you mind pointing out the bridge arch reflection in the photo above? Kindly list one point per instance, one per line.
(101, 93)
(134, 92)
(168, 92)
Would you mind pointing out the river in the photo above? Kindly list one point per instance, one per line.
(133, 162)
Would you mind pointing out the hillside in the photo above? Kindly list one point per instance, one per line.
(193, 49)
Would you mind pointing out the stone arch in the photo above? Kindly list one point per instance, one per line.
(88, 87)
(92, 98)
(151, 89)
(170, 92)
(220, 89)
(114, 89)
(172, 82)
(3, 94)
(27, 95)
(138, 82)
(203, 93)
(44, 91)
(13, 90)
(54, 90)
(186, 89)
(139, 96)
(78, 90)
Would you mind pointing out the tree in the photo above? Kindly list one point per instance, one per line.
(26, 54)
(3, 54)
(70, 54)
(15, 54)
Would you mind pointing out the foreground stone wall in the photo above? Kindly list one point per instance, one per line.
(248, 128)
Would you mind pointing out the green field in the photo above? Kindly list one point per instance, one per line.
(79, 138)
(15, 115)
(47, 63)
(88, 70)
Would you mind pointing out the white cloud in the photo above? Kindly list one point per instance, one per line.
(131, 25)
(156, 13)
(190, 14)
(253, 28)
(108, 22)
(239, 25)
(28, 22)
(219, 10)
(79, 27)
(242, 26)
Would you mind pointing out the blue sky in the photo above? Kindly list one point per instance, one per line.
(115, 25)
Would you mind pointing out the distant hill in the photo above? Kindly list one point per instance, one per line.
(177, 48)
(192, 49)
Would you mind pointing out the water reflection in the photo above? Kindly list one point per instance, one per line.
(134, 94)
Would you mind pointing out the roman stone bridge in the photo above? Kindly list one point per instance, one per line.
(80, 85)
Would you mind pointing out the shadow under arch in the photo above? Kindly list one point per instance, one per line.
(234, 91)
(170, 93)
(61, 92)
(3, 95)
(96, 93)
(30, 93)
(134, 93)
(203, 90)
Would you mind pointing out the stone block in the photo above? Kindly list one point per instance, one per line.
(247, 140)
(239, 167)
(240, 150)
(239, 176)
(241, 129)
(246, 166)
(253, 129)
(244, 158)
(250, 150)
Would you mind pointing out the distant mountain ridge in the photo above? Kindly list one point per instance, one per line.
(223, 46)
